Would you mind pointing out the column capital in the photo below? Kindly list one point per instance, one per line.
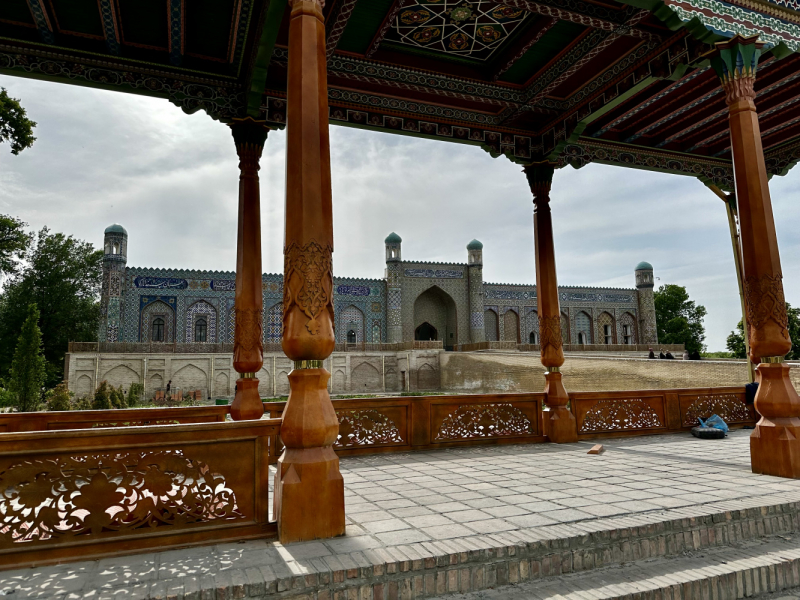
(321, 3)
(735, 62)
(249, 134)
(540, 179)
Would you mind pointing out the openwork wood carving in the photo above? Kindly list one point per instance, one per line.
(136, 423)
(765, 301)
(729, 407)
(366, 428)
(105, 494)
(484, 420)
(620, 414)
(308, 277)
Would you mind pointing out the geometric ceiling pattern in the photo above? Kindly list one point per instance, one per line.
(474, 29)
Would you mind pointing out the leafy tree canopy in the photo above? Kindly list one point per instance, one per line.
(678, 319)
(735, 341)
(61, 275)
(14, 241)
(28, 365)
(15, 126)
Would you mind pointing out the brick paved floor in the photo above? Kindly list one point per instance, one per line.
(406, 507)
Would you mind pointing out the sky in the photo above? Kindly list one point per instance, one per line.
(172, 180)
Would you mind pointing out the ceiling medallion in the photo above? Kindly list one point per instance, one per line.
(468, 28)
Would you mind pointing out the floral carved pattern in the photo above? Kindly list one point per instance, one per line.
(729, 407)
(765, 301)
(550, 332)
(99, 494)
(485, 420)
(366, 428)
(249, 329)
(308, 277)
(614, 415)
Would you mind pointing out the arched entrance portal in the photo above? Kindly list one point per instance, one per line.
(435, 308)
(425, 332)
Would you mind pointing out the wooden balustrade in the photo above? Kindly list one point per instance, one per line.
(402, 423)
(607, 414)
(101, 492)
(93, 419)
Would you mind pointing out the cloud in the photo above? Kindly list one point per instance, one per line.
(171, 179)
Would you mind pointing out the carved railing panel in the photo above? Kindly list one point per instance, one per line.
(100, 493)
(731, 407)
(484, 421)
(371, 427)
(622, 414)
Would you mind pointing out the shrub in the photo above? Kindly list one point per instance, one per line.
(102, 397)
(59, 398)
(83, 403)
(117, 397)
(135, 393)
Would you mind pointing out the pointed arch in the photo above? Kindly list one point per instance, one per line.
(352, 325)
(491, 327)
(606, 328)
(628, 329)
(511, 326)
(583, 328)
(199, 312)
(150, 316)
(439, 310)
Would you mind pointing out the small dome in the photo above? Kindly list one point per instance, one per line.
(474, 245)
(642, 266)
(393, 238)
(116, 228)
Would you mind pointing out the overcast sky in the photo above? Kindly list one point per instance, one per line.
(171, 179)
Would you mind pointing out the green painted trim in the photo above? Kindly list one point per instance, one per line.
(114, 61)
(258, 77)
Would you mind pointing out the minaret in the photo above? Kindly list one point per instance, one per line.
(475, 268)
(647, 308)
(394, 303)
(115, 257)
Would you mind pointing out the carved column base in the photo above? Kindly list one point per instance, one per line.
(247, 403)
(309, 489)
(775, 443)
(559, 423)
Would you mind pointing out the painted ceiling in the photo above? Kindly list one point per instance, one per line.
(474, 29)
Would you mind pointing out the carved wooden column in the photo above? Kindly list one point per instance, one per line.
(775, 443)
(560, 423)
(248, 345)
(309, 490)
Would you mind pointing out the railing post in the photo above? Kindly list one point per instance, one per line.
(560, 424)
(775, 443)
(309, 489)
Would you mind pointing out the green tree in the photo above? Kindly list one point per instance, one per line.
(678, 319)
(15, 126)
(735, 340)
(14, 241)
(59, 398)
(102, 396)
(28, 365)
(117, 396)
(61, 275)
(135, 394)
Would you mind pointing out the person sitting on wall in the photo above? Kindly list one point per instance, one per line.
(661, 354)
(652, 354)
(685, 355)
(695, 355)
(669, 355)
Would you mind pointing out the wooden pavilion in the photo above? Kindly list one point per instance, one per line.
(664, 85)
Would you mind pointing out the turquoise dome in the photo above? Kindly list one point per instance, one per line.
(642, 266)
(474, 245)
(393, 238)
(116, 228)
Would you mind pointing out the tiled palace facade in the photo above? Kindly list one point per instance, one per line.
(449, 302)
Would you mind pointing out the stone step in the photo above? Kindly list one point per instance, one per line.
(739, 571)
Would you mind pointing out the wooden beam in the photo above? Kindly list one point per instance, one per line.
(39, 13)
(176, 16)
(337, 25)
(547, 25)
(108, 17)
(386, 26)
(273, 16)
(582, 17)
